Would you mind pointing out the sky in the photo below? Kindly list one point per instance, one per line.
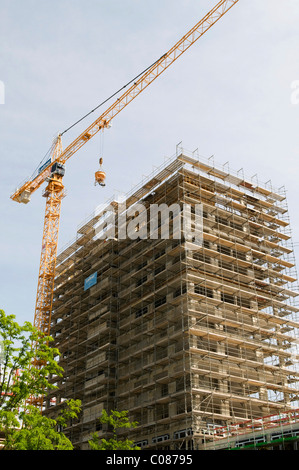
(233, 94)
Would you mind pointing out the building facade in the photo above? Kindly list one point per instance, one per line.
(188, 337)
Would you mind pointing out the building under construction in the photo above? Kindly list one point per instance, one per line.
(198, 341)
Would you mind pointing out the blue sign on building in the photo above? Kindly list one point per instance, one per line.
(90, 281)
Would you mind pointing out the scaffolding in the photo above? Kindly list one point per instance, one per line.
(269, 432)
(189, 339)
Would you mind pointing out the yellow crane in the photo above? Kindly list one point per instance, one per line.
(53, 170)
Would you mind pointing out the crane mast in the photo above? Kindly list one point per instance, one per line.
(54, 193)
(53, 171)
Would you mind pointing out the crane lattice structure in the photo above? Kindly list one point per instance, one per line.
(53, 171)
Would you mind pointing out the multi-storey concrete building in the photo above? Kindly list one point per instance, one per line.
(189, 337)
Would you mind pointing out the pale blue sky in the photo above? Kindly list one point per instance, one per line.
(229, 95)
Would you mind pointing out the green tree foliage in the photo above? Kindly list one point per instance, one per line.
(26, 363)
(115, 421)
(39, 432)
(19, 378)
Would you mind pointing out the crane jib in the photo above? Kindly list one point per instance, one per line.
(154, 71)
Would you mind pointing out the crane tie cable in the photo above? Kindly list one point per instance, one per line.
(101, 104)
(109, 98)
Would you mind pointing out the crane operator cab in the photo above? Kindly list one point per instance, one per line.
(100, 175)
(57, 169)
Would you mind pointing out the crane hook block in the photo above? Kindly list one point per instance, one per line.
(100, 175)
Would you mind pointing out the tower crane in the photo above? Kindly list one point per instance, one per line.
(53, 170)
